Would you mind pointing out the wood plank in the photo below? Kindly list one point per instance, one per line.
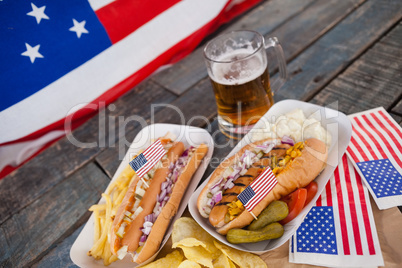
(397, 117)
(62, 158)
(51, 218)
(195, 107)
(199, 101)
(223, 146)
(308, 26)
(264, 18)
(60, 255)
(332, 53)
(371, 81)
(398, 107)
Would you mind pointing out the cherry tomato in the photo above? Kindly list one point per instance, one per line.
(311, 191)
(295, 202)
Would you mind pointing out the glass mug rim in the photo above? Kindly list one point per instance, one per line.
(224, 36)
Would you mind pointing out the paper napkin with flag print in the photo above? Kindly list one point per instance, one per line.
(376, 152)
(339, 231)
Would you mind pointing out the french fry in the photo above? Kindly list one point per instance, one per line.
(97, 207)
(103, 216)
(97, 226)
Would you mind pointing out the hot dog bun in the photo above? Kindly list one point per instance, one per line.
(170, 209)
(127, 200)
(219, 211)
(296, 174)
(132, 232)
(215, 177)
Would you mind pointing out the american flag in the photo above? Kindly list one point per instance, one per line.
(258, 189)
(68, 59)
(376, 150)
(145, 161)
(340, 229)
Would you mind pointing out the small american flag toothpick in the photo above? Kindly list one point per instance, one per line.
(145, 161)
(257, 190)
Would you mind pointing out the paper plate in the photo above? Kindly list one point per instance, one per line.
(336, 123)
(186, 134)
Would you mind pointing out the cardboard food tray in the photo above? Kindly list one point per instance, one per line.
(186, 134)
(335, 122)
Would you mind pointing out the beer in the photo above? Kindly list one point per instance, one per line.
(242, 89)
(238, 68)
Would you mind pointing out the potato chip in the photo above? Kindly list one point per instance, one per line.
(171, 260)
(199, 255)
(242, 259)
(188, 228)
(189, 264)
(189, 242)
(223, 262)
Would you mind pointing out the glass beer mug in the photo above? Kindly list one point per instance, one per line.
(238, 68)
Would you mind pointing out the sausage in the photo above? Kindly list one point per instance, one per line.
(133, 233)
(219, 211)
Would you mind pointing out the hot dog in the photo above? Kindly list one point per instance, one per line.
(220, 210)
(145, 223)
(294, 167)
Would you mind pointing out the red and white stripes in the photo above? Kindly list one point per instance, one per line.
(261, 186)
(354, 224)
(375, 136)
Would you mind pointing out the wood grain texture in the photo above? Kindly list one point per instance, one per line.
(62, 158)
(195, 107)
(223, 146)
(396, 117)
(371, 81)
(308, 26)
(199, 100)
(398, 107)
(332, 53)
(33, 231)
(264, 18)
(330, 46)
(59, 256)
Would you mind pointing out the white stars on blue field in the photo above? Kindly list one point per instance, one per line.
(382, 176)
(42, 42)
(317, 232)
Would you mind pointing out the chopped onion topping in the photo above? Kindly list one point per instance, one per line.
(166, 190)
(139, 191)
(138, 211)
(162, 195)
(287, 140)
(147, 226)
(233, 172)
(229, 184)
(243, 171)
(142, 240)
(127, 213)
(210, 202)
(217, 197)
(120, 232)
(149, 218)
(218, 183)
(122, 252)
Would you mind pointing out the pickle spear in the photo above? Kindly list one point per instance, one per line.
(276, 211)
(271, 231)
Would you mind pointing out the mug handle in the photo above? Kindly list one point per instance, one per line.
(278, 83)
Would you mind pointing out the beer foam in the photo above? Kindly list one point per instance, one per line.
(241, 70)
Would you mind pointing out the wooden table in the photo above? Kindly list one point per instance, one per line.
(343, 54)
